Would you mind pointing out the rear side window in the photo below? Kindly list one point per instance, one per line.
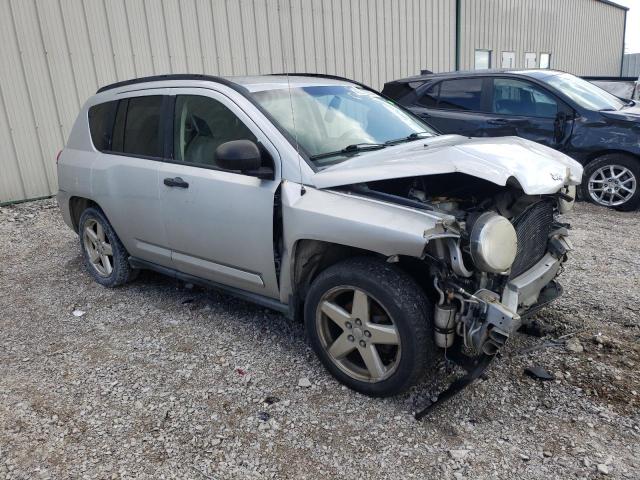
(429, 99)
(101, 119)
(131, 126)
(461, 94)
(138, 126)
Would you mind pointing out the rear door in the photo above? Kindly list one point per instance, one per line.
(219, 222)
(125, 175)
(455, 105)
(524, 109)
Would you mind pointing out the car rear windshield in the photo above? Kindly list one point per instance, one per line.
(584, 93)
(324, 120)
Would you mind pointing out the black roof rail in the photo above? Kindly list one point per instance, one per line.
(172, 76)
(326, 75)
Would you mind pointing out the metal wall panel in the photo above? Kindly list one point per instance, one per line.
(56, 53)
(584, 37)
(631, 65)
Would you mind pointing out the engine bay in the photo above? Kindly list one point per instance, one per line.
(457, 194)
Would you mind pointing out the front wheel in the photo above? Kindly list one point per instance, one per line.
(370, 325)
(612, 181)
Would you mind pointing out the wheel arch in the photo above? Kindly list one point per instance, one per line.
(601, 153)
(311, 257)
(77, 205)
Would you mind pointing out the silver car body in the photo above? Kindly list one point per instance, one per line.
(221, 229)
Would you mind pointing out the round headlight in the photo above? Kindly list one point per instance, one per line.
(494, 243)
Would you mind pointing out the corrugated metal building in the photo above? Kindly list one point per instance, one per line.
(631, 65)
(56, 53)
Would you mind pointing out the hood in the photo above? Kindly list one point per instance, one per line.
(628, 114)
(538, 169)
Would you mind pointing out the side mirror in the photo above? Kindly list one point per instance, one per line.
(238, 155)
(244, 156)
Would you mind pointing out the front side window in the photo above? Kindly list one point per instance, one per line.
(517, 97)
(101, 118)
(326, 119)
(201, 125)
(137, 126)
(461, 94)
(483, 59)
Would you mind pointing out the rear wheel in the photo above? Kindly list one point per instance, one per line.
(370, 325)
(612, 180)
(105, 257)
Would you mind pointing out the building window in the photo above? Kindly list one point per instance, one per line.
(508, 60)
(545, 60)
(483, 59)
(530, 60)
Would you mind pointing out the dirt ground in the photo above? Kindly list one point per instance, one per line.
(157, 380)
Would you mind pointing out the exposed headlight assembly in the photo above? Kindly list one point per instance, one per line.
(493, 243)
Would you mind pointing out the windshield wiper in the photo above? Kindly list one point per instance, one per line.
(409, 138)
(355, 148)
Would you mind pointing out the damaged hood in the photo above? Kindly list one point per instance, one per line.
(538, 169)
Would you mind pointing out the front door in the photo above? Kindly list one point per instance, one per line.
(521, 108)
(219, 222)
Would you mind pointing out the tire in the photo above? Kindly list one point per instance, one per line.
(392, 296)
(598, 171)
(103, 241)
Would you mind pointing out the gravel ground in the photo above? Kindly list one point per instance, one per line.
(158, 380)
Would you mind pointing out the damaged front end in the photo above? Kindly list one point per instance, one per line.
(497, 262)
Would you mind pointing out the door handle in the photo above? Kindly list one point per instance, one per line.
(498, 121)
(176, 182)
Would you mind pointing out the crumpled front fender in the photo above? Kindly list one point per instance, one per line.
(354, 221)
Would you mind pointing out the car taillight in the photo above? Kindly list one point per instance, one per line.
(58, 156)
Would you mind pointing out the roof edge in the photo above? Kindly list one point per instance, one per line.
(613, 4)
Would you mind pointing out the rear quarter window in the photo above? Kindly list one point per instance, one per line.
(101, 119)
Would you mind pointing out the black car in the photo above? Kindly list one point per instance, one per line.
(557, 109)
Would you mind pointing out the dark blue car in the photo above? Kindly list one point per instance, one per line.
(557, 109)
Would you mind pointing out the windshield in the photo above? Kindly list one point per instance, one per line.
(584, 93)
(335, 122)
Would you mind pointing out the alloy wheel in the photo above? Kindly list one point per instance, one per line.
(612, 185)
(98, 248)
(358, 334)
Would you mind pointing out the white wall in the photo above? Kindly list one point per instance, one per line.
(54, 54)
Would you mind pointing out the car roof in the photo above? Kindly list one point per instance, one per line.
(255, 83)
(532, 73)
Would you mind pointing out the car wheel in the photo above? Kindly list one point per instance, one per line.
(612, 180)
(371, 326)
(105, 257)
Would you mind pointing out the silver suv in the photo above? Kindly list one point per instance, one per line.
(317, 197)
